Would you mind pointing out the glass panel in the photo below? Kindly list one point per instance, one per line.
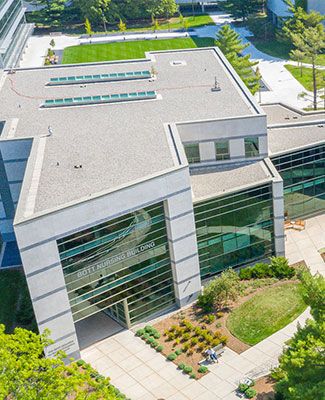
(222, 150)
(234, 230)
(192, 152)
(251, 147)
(125, 258)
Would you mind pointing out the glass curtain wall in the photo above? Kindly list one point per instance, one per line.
(122, 260)
(303, 174)
(234, 230)
(9, 17)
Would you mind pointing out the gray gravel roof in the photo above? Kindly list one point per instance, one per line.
(120, 143)
(218, 181)
(285, 139)
(280, 114)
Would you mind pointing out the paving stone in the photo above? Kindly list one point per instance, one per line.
(225, 371)
(130, 363)
(113, 372)
(119, 355)
(179, 380)
(210, 381)
(103, 363)
(241, 364)
(208, 396)
(177, 396)
(146, 354)
(137, 392)
(194, 390)
(108, 346)
(124, 381)
(169, 372)
(164, 390)
(224, 389)
(140, 373)
(152, 381)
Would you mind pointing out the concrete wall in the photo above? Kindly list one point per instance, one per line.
(233, 129)
(37, 242)
(278, 7)
(13, 159)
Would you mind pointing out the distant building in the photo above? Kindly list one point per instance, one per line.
(278, 9)
(14, 32)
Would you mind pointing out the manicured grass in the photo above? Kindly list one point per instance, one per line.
(307, 78)
(127, 50)
(266, 312)
(15, 304)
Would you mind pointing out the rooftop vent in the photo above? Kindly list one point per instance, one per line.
(118, 76)
(178, 63)
(216, 87)
(109, 98)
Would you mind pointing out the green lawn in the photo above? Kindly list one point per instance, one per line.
(127, 50)
(280, 50)
(15, 304)
(266, 313)
(307, 78)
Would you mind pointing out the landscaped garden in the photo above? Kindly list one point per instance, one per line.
(128, 50)
(237, 310)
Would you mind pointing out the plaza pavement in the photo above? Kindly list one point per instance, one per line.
(142, 373)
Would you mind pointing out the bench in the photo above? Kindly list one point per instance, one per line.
(217, 349)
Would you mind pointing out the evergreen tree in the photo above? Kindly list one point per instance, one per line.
(230, 44)
(51, 12)
(122, 26)
(242, 8)
(162, 7)
(88, 28)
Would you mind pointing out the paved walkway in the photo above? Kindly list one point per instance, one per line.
(141, 373)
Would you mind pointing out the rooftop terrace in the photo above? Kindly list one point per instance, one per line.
(116, 144)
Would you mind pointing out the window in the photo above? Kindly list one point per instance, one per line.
(222, 150)
(192, 152)
(251, 147)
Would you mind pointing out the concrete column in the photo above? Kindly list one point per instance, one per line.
(207, 151)
(183, 247)
(49, 296)
(278, 210)
(237, 148)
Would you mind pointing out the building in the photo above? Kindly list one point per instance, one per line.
(278, 9)
(128, 183)
(14, 32)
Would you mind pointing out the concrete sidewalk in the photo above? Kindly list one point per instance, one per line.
(142, 373)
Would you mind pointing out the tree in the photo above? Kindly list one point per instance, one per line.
(51, 11)
(298, 56)
(230, 44)
(94, 10)
(27, 375)
(301, 370)
(162, 7)
(218, 292)
(52, 43)
(242, 8)
(311, 44)
(121, 26)
(88, 28)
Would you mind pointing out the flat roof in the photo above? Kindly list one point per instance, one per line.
(292, 137)
(282, 114)
(217, 181)
(120, 143)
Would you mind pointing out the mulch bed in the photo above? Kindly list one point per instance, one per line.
(265, 388)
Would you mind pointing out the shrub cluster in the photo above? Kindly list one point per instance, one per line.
(190, 336)
(149, 334)
(187, 369)
(278, 268)
(248, 391)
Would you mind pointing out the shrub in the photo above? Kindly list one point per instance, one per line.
(243, 387)
(261, 270)
(178, 352)
(81, 363)
(186, 337)
(198, 330)
(171, 336)
(159, 348)
(140, 332)
(219, 314)
(250, 393)
(280, 268)
(185, 347)
(194, 341)
(177, 341)
(245, 273)
(150, 340)
(202, 369)
(210, 318)
(166, 332)
(173, 328)
(215, 342)
(218, 325)
(181, 366)
(187, 369)
(217, 335)
(192, 376)
(149, 329)
(154, 344)
(145, 336)
(156, 335)
(171, 357)
(201, 347)
(224, 339)
(190, 352)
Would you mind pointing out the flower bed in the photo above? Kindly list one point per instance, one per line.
(184, 342)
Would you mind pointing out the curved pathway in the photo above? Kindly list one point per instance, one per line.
(141, 373)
